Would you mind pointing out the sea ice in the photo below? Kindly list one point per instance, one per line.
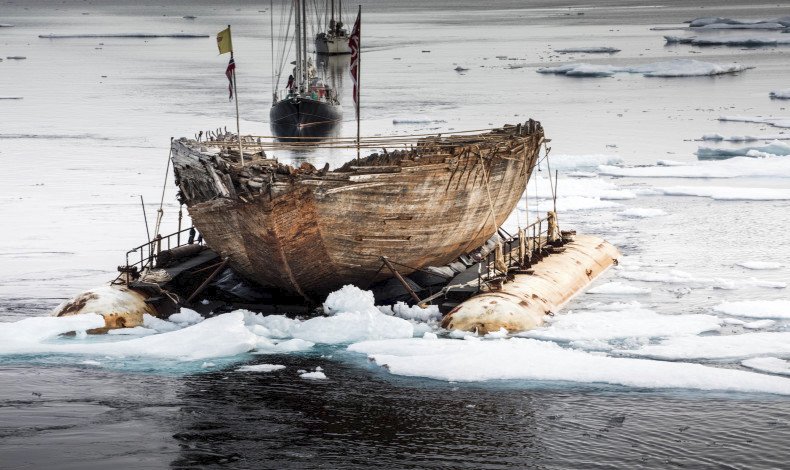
(580, 162)
(530, 359)
(618, 288)
(744, 138)
(714, 21)
(775, 148)
(673, 68)
(640, 213)
(759, 265)
(756, 308)
(223, 335)
(416, 120)
(782, 122)
(783, 94)
(724, 193)
(732, 168)
(348, 298)
(773, 365)
(260, 368)
(638, 322)
(588, 50)
(716, 347)
(741, 41)
(317, 375)
(122, 35)
(186, 317)
(690, 280)
(759, 324)
(136, 331)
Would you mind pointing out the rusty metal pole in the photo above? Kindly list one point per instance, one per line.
(208, 280)
(400, 279)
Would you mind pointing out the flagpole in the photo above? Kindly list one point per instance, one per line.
(359, 75)
(236, 96)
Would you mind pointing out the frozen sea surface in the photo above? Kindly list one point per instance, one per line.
(678, 357)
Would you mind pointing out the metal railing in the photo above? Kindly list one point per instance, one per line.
(535, 243)
(149, 252)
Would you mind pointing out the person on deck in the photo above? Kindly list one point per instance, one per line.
(291, 83)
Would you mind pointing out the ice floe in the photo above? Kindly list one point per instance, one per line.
(744, 138)
(775, 148)
(782, 122)
(531, 359)
(261, 368)
(223, 335)
(623, 321)
(773, 365)
(317, 375)
(136, 331)
(783, 94)
(731, 168)
(690, 280)
(673, 68)
(741, 41)
(416, 120)
(715, 22)
(642, 213)
(718, 347)
(619, 288)
(581, 162)
(759, 265)
(588, 50)
(724, 193)
(756, 308)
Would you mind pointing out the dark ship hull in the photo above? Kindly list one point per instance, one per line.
(304, 117)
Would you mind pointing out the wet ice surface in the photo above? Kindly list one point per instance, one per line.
(676, 357)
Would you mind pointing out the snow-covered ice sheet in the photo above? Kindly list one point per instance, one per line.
(742, 41)
(759, 265)
(738, 346)
(716, 22)
(619, 288)
(773, 365)
(642, 213)
(588, 50)
(531, 359)
(744, 138)
(783, 122)
(622, 321)
(778, 167)
(676, 276)
(723, 193)
(673, 68)
(775, 148)
(756, 308)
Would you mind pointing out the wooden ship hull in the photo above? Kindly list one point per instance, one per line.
(309, 231)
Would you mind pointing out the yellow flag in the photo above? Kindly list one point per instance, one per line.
(224, 42)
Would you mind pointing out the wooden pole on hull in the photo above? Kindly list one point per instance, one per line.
(236, 96)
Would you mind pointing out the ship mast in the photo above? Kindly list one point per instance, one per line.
(304, 45)
(298, 38)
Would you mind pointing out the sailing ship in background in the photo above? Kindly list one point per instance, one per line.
(308, 106)
(335, 40)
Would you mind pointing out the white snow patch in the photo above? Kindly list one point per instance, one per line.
(412, 312)
(24, 336)
(260, 368)
(641, 213)
(575, 162)
(759, 324)
(90, 362)
(759, 265)
(348, 298)
(772, 365)
(530, 359)
(673, 68)
(756, 308)
(162, 326)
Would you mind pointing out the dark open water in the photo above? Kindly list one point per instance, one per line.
(363, 419)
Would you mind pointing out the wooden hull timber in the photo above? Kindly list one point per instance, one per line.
(310, 232)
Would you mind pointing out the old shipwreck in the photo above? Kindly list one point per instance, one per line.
(308, 232)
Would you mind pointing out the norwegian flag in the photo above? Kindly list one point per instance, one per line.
(229, 73)
(354, 44)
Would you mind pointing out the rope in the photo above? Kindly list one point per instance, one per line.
(160, 212)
